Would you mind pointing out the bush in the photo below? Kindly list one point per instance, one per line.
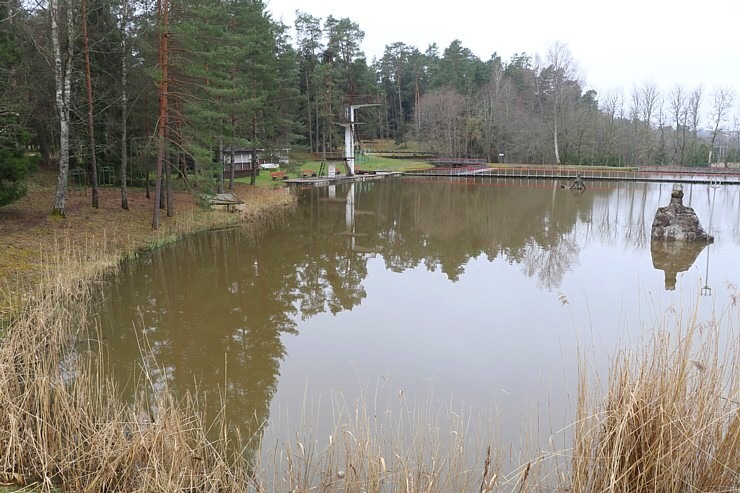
(14, 167)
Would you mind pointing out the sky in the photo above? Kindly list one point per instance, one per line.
(616, 44)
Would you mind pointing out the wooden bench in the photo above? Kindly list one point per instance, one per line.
(307, 172)
(279, 175)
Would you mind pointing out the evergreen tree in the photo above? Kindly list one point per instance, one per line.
(14, 134)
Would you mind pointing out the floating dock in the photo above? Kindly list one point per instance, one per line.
(322, 181)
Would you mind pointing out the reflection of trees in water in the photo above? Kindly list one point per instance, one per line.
(551, 264)
(442, 225)
(626, 214)
(621, 216)
(213, 310)
(726, 199)
(215, 307)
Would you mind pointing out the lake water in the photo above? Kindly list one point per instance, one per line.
(475, 293)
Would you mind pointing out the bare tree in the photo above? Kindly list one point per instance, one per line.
(677, 102)
(554, 86)
(722, 102)
(651, 100)
(90, 119)
(124, 102)
(612, 108)
(492, 112)
(695, 101)
(443, 122)
(645, 99)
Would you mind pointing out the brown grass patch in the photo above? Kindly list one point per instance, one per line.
(30, 237)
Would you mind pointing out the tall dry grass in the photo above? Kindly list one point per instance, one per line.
(670, 418)
(61, 424)
(406, 447)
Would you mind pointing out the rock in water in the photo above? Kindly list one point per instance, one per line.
(678, 222)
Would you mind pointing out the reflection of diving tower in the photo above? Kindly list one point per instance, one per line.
(350, 130)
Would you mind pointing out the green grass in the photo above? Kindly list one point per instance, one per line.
(367, 162)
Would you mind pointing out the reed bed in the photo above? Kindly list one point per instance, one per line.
(670, 417)
(408, 447)
(62, 426)
(666, 421)
(61, 422)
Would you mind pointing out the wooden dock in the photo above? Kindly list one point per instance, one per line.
(322, 181)
(718, 176)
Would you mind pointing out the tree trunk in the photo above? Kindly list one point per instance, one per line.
(163, 15)
(399, 122)
(417, 108)
(168, 183)
(233, 160)
(308, 107)
(62, 78)
(90, 120)
(220, 159)
(555, 140)
(124, 107)
(253, 178)
(163, 184)
(147, 166)
(232, 151)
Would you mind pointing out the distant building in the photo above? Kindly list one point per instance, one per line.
(266, 159)
(725, 165)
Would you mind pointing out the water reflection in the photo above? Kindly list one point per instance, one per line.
(194, 308)
(219, 312)
(674, 257)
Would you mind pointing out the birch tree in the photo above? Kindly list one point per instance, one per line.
(555, 83)
(62, 40)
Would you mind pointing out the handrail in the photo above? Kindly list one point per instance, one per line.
(535, 172)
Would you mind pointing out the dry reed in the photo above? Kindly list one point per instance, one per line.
(61, 423)
(62, 426)
(669, 421)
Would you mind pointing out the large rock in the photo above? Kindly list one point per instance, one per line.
(678, 222)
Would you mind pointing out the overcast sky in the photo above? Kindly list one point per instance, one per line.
(615, 44)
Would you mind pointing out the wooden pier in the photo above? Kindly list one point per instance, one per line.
(718, 176)
(322, 181)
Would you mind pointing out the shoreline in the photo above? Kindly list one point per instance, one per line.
(31, 238)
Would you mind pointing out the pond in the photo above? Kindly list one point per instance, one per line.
(478, 293)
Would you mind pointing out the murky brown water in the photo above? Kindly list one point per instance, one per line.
(476, 292)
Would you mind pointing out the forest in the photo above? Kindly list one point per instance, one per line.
(175, 84)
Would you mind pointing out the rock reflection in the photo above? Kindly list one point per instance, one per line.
(673, 257)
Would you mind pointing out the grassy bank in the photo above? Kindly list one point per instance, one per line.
(667, 419)
(31, 240)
